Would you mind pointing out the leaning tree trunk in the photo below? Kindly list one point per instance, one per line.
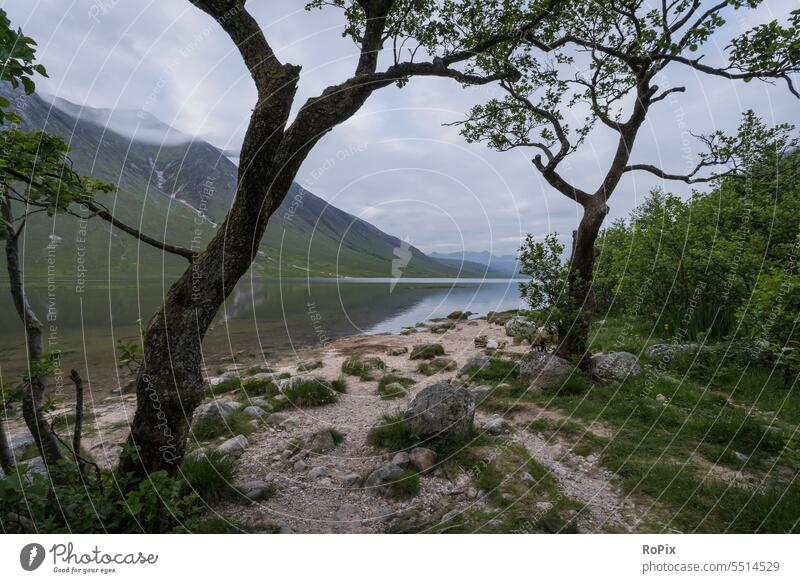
(574, 325)
(169, 385)
(32, 399)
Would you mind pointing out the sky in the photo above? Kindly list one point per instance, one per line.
(395, 163)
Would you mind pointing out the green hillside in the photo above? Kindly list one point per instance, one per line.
(181, 191)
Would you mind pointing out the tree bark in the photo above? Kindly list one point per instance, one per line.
(46, 442)
(170, 384)
(574, 326)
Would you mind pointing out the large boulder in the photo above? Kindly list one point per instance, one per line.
(521, 327)
(214, 409)
(615, 366)
(544, 370)
(441, 410)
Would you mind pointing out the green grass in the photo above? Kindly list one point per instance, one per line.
(213, 426)
(310, 394)
(338, 436)
(437, 365)
(404, 487)
(392, 434)
(362, 367)
(339, 385)
(210, 475)
(259, 388)
(389, 379)
(426, 351)
(496, 371)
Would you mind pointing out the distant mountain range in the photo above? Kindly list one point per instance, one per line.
(506, 265)
(180, 188)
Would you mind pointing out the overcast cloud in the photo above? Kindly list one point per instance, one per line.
(394, 163)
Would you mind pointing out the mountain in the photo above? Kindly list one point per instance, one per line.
(507, 265)
(180, 188)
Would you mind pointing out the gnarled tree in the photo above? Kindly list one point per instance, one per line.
(610, 57)
(170, 383)
(36, 176)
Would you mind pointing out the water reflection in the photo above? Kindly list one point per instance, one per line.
(260, 317)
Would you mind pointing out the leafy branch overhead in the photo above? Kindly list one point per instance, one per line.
(607, 60)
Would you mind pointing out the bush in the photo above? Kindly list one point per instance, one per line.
(404, 487)
(426, 351)
(213, 426)
(310, 394)
(436, 365)
(391, 433)
(71, 504)
(389, 379)
(259, 387)
(362, 368)
(339, 385)
(209, 475)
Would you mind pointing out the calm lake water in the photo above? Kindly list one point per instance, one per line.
(261, 317)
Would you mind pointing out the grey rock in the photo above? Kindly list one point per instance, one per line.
(422, 459)
(19, 443)
(544, 370)
(741, 457)
(475, 364)
(383, 514)
(492, 344)
(378, 481)
(397, 351)
(307, 366)
(441, 410)
(615, 366)
(284, 384)
(479, 392)
(526, 477)
(666, 352)
(218, 408)
(255, 490)
(497, 426)
(300, 466)
(265, 376)
(290, 423)
(277, 419)
(318, 472)
(351, 480)
(34, 467)
(401, 459)
(348, 513)
(235, 446)
(450, 516)
(661, 398)
(521, 327)
(258, 402)
(318, 441)
(255, 412)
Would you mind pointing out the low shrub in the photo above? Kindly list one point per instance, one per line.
(404, 487)
(362, 367)
(391, 433)
(209, 475)
(310, 394)
(213, 426)
(383, 386)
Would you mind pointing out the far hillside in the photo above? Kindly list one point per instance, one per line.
(179, 188)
